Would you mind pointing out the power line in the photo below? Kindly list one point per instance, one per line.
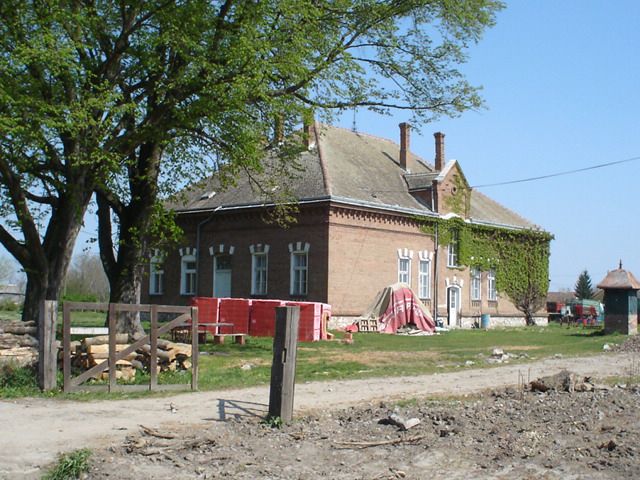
(559, 174)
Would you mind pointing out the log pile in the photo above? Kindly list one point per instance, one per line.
(94, 350)
(18, 344)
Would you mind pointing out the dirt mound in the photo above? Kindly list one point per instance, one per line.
(630, 345)
(505, 434)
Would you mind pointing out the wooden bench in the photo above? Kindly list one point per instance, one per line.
(238, 338)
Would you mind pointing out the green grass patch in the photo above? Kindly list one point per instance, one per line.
(371, 355)
(18, 381)
(70, 466)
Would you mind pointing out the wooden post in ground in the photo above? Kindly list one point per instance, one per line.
(283, 369)
(195, 348)
(47, 351)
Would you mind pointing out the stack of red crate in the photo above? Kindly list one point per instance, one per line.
(326, 317)
(263, 317)
(309, 326)
(236, 311)
(207, 312)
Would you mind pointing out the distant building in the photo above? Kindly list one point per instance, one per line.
(11, 293)
(359, 197)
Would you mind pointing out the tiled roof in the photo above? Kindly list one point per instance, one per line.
(619, 279)
(349, 167)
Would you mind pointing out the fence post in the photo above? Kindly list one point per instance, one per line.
(283, 368)
(47, 351)
(195, 348)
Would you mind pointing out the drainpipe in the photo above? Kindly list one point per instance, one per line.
(436, 270)
(198, 228)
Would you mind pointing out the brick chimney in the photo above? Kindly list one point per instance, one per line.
(405, 130)
(307, 133)
(439, 151)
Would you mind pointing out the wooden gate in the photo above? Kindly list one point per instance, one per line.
(186, 315)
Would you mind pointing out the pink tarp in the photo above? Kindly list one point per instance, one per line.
(397, 305)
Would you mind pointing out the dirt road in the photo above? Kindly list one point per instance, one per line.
(36, 430)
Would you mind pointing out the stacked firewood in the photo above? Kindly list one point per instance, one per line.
(18, 343)
(94, 350)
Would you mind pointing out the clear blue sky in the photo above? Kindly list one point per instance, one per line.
(561, 80)
(562, 85)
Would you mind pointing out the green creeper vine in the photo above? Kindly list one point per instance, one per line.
(458, 201)
(520, 258)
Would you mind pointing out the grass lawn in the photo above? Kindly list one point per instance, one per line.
(377, 355)
(230, 365)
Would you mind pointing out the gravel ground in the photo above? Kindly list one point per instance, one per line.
(504, 434)
(507, 433)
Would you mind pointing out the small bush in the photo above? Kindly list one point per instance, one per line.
(17, 381)
(9, 305)
(70, 466)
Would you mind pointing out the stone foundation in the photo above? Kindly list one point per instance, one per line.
(336, 323)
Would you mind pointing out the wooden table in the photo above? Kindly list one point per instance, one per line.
(183, 332)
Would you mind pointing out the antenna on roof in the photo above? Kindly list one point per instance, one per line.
(354, 127)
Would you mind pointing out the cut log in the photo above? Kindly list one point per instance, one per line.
(97, 349)
(181, 349)
(9, 340)
(20, 329)
(162, 355)
(121, 339)
(94, 357)
(137, 364)
(16, 351)
(21, 356)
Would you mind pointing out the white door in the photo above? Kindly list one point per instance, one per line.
(453, 305)
(222, 276)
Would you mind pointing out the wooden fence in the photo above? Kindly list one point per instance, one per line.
(185, 316)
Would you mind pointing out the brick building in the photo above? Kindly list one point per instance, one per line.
(356, 232)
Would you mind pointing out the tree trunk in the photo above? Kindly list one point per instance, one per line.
(125, 288)
(35, 294)
(45, 281)
(125, 269)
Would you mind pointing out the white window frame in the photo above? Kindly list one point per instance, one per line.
(404, 265)
(452, 251)
(476, 284)
(299, 274)
(156, 275)
(404, 270)
(424, 279)
(492, 292)
(188, 276)
(259, 273)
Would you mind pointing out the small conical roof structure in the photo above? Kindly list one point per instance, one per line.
(619, 279)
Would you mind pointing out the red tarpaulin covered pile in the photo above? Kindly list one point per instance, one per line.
(397, 305)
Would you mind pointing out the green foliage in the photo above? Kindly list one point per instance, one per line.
(583, 288)
(520, 258)
(459, 200)
(70, 466)
(273, 422)
(9, 305)
(136, 100)
(17, 381)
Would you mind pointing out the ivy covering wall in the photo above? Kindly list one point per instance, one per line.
(520, 258)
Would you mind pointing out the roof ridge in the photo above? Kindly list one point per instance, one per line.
(525, 220)
(376, 137)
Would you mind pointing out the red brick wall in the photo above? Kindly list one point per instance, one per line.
(353, 254)
(240, 230)
(363, 256)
